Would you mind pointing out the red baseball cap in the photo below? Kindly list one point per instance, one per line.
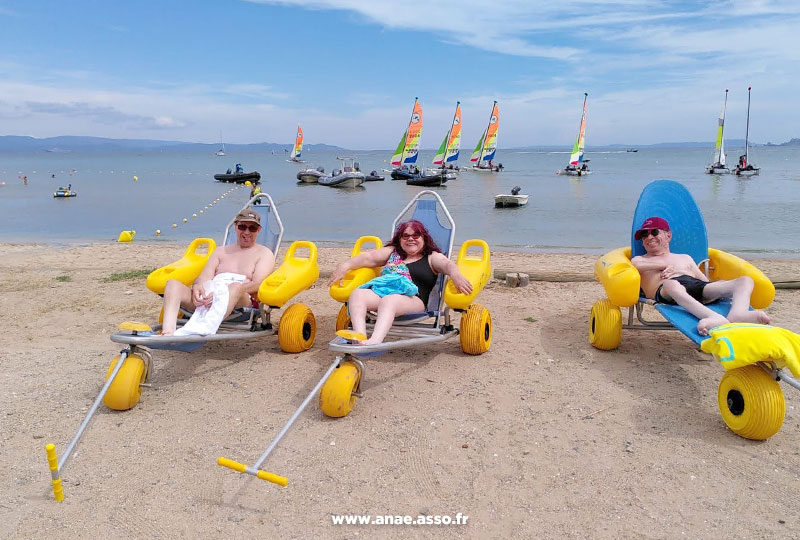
(651, 223)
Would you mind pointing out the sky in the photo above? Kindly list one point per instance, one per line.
(347, 71)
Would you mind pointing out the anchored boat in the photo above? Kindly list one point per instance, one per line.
(348, 176)
(578, 164)
(744, 167)
(486, 148)
(719, 167)
(405, 155)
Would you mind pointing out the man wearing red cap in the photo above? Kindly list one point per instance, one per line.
(674, 278)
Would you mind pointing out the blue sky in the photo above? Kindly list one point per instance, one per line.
(348, 70)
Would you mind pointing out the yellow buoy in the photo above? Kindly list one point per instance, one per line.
(158, 231)
(185, 220)
(201, 211)
(174, 225)
(195, 215)
(126, 236)
(248, 183)
(135, 178)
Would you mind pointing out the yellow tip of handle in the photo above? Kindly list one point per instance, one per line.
(52, 462)
(232, 465)
(274, 478)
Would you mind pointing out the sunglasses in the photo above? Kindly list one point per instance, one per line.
(641, 235)
(252, 228)
(414, 235)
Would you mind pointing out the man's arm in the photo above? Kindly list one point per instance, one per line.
(264, 266)
(644, 264)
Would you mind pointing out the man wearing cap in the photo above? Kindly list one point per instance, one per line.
(674, 278)
(246, 258)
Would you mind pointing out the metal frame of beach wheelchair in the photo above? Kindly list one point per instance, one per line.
(340, 385)
(750, 399)
(130, 371)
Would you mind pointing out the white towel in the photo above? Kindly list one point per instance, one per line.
(206, 320)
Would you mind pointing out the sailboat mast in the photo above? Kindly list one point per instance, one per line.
(405, 142)
(747, 130)
(488, 125)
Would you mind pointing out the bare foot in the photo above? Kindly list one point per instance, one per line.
(704, 325)
(166, 334)
(757, 316)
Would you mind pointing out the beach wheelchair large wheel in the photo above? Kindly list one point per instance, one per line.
(751, 402)
(605, 325)
(336, 399)
(297, 329)
(125, 391)
(475, 330)
(343, 319)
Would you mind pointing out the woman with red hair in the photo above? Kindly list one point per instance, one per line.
(410, 253)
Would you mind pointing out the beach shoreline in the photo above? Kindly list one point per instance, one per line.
(542, 436)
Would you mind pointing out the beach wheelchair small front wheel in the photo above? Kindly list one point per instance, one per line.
(605, 325)
(751, 402)
(297, 329)
(343, 319)
(337, 398)
(475, 330)
(125, 391)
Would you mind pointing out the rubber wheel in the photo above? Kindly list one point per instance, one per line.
(343, 319)
(605, 325)
(336, 398)
(751, 402)
(475, 330)
(124, 392)
(297, 329)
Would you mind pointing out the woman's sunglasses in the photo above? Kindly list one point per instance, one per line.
(253, 228)
(414, 235)
(641, 235)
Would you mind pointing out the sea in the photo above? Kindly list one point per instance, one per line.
(149, 191)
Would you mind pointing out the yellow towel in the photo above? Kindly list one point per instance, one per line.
(739, 344)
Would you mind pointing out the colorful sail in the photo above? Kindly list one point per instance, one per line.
(451, 144)
(576, 158)
(476, 154)
(397, 157)
(719, 148)
(406, 151)
(490, 142)
(298, 143)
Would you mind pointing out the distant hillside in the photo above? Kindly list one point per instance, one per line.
(791, 142)
(15, 143)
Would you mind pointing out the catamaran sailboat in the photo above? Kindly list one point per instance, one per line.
(447, 155)
(719, 166)
(744, 167)
(486, 148)
(578, 165)
(405, 155)
(298, 147)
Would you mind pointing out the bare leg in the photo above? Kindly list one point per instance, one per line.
(237, 297)
(739, 291)
(708, 318)
(360, 301)
(175, 295)
(388, 308)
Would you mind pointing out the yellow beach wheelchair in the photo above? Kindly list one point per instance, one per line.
(755, 356)
(130, 370)
(340, 385)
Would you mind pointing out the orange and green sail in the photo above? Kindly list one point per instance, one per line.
(298, 143)
(487, 144)
(451, 144)
(576, 158)
(406, 152)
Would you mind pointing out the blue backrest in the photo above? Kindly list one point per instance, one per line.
(672, 201)
(270, 233)
(426, 211)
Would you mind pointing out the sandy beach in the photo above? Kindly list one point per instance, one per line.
(541, 437)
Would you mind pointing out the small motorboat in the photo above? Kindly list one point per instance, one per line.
(239, 177)
(435, 179)
(374, 177)
(510, 201)
(405, 173)
(62, 192)
(311, 176)
(348, 176)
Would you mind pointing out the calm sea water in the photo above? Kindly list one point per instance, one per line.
(756, 216)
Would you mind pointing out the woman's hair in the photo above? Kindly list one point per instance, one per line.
(429, 246)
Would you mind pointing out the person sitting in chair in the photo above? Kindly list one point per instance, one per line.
(411, 252)
(673, 278)
(243, 266)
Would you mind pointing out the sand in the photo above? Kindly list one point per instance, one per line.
(541, 437)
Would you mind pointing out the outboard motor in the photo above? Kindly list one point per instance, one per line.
(321, 169)
(515, 190)
(374, 173)
(357, 166)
